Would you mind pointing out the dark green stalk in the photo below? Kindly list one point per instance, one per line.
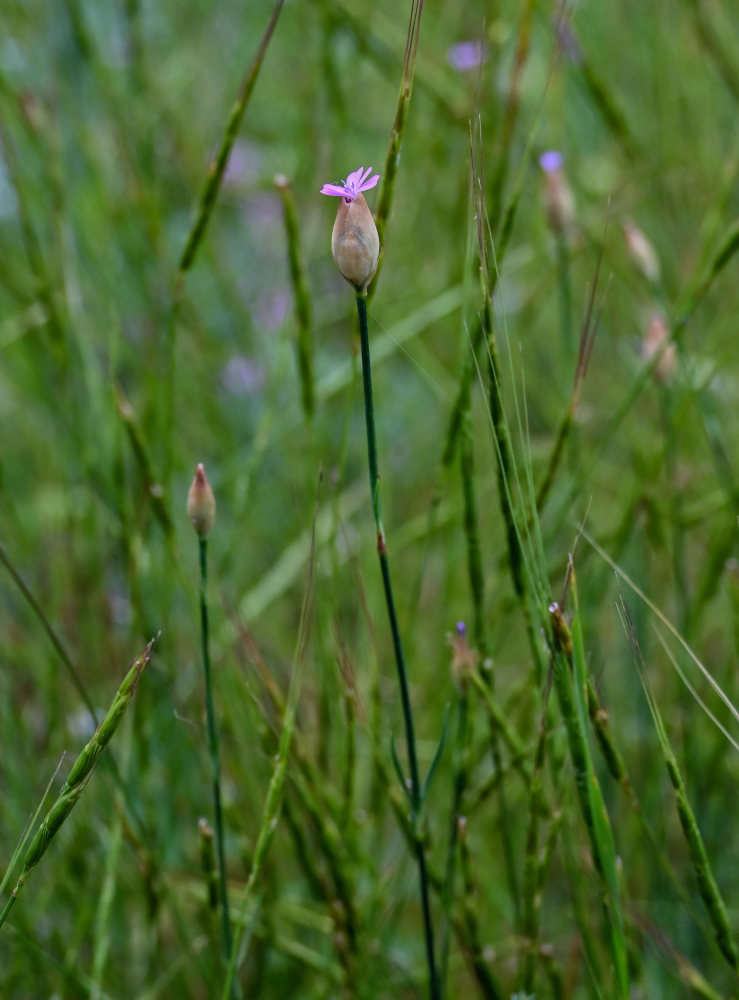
(570, 682)
(301, 294)
(565, 293)
(415, 781)
(215, 763)
(477, 587)
(505, 468)
(469, 931)
(532, 874)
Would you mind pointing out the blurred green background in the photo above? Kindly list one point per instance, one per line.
(110, 115)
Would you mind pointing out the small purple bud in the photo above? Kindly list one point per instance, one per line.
(551, 160)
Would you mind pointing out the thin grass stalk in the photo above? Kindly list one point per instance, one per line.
(596, 89)
(103, 924)
(521, 560)
(666, 622)
(476, 338)
(321, 807)
(674, 961)
(676, 505)
(208, 862)
(350, 750)
(472, 535)
(32, 244)
(396, 135)
(570, 681)
(707, 885)
(533, 864)
(142, 453)
(564, 287)
(468, 929)
(336, 892)
(213, 751)
(715, 45)
(416, 801)
(273, 799)
(499, 722)
(477, 588)
(54, 639)
(505, 476)
(510, 112)
(583, 916)
(554, 973)
(602, 830)
(587, 340)
(79, 775)
(301, 295)
(459, 782)
(208, 196)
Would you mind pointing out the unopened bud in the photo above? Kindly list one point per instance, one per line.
(641, 251)
(559, 201)
(657, 340)
(464, 659)
(201, 504)
(355, 243)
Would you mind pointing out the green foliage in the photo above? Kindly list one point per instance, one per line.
(163, 303)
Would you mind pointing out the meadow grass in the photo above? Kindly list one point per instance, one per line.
(545, 805)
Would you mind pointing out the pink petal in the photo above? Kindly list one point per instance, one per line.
(367, 185)
(355, 179)
(337, 190)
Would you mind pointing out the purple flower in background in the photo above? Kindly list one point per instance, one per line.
(465, 56)
(353, 186)
(551, 161)
(559, 201)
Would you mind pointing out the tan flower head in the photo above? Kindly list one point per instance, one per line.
(201, 504)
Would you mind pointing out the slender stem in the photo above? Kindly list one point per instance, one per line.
(415, 790)
(213, 748)
(565, 295)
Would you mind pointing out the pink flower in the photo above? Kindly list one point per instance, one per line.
(353, 185)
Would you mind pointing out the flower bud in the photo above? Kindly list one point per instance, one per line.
(559, 201)
(641, 251)
(464, 659)
(355, 243)
(201, 504)
(657, 339)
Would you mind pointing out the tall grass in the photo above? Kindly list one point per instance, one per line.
(163, 298)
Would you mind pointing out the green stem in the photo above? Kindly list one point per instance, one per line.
(565, 295)
(415, 790)
(213, 748)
